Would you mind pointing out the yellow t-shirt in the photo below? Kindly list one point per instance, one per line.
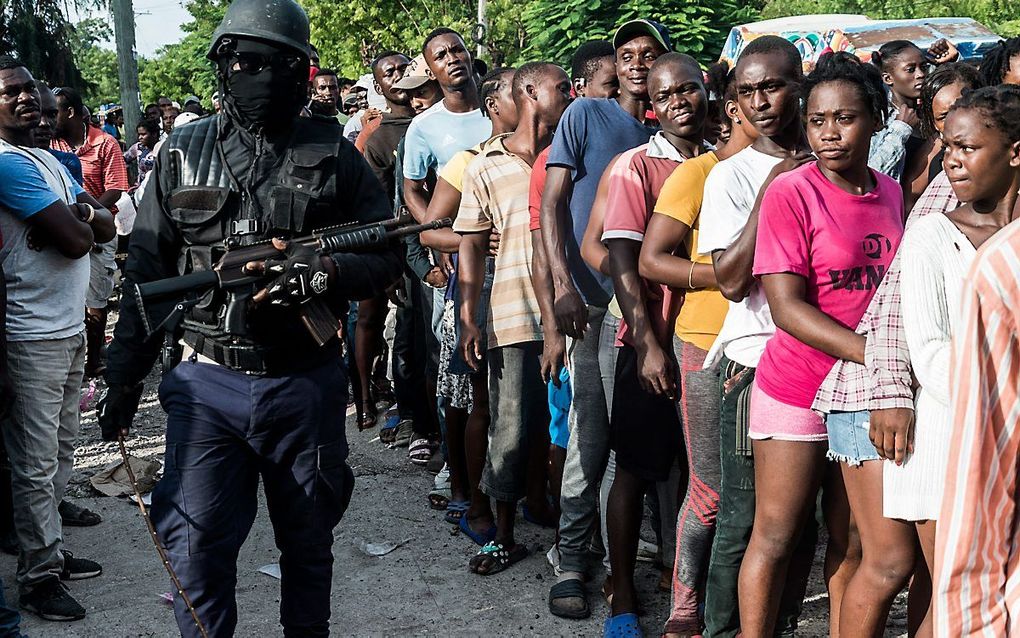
(701, 316)
(453, 171)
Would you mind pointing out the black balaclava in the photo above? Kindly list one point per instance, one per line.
(269, 98)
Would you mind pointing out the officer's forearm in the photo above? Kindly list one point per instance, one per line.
(366, 275)
(132, 353)
(417, 257)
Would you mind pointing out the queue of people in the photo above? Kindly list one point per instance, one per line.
(579, 344)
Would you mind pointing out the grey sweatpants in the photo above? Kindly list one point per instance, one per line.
(588, 447)
(40, 435)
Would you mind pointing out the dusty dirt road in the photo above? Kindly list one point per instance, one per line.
(421, 588)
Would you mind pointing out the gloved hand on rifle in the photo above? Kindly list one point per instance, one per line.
(117, 409)
(301, 275)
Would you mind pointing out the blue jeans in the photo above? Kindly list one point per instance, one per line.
(10, 619)
(224, 430)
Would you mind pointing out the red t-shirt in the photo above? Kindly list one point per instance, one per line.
(536, 188)
(635, 181)
(102, 162)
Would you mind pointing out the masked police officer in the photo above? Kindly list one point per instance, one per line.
(270, 402)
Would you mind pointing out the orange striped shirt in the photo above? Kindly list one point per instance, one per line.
(977, 591)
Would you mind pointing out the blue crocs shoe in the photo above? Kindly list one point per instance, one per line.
(622, 626)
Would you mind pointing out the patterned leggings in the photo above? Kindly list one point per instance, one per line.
(699, 406)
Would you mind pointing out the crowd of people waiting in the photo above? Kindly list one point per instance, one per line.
(842, 320)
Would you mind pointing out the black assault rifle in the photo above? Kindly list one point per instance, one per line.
(230, 276)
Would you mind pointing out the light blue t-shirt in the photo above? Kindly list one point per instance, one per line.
(45, 290)
(436, 135)
(590, 134)
(23, 189)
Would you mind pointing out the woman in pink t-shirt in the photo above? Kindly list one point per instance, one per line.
(826, 234)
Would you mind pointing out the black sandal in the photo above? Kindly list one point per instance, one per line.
(497, 557)
(572, 588)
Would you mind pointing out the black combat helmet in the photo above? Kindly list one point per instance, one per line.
(279, 21)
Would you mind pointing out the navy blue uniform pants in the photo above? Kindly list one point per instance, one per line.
(225, 430)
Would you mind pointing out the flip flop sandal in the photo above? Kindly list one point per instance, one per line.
(441, 494)
(572, 588)
(455, 511)
(420, 452)
(497, 556)
(481, 538)
(622, 626)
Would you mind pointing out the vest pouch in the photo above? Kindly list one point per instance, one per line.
(306, 170)
(305, 176)
(199, 259)
(200, 213)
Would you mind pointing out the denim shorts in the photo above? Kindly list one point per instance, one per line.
(848, 438)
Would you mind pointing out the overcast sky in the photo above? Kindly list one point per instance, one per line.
(157, 22)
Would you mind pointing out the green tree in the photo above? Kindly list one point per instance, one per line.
(348, 34)
(182, 69)
(38, 33)
(697, 27)
(98, 64)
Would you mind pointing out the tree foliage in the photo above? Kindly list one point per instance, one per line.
(349, 34)
(38, 33)
(697, 27)
(1001, 16)
(181, 69)
(98, 64)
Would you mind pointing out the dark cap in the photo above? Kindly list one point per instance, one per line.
(636, 28)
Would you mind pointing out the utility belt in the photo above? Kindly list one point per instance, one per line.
(246, 358)
(252, 359)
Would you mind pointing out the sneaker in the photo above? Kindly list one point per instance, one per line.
(79, 568)
(74, 515)
(403, 434)
(50, 601)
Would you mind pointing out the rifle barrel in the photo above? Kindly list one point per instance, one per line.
(414, 229)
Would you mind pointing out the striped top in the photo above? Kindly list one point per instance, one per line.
(102, 162)
(976, 551)
(495, 196)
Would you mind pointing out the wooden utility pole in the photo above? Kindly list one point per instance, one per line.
(481, 29)
(127, 64)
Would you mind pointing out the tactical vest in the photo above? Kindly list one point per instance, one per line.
(215, 211)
